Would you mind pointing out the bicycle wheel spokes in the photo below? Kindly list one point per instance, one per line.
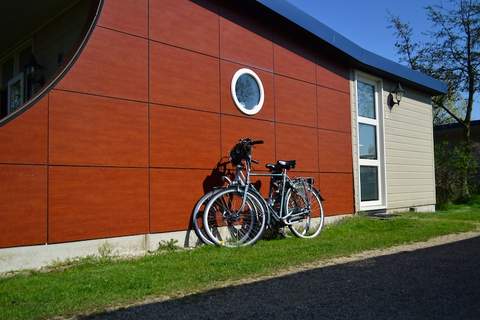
(230, 221)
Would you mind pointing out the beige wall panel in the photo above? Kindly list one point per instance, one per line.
(397, 177)
(409, 153)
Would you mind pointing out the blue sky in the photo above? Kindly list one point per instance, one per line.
(365, 22)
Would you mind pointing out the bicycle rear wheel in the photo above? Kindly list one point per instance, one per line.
(229, 221)
(307, 211)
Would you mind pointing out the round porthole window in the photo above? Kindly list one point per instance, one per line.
(247, 91)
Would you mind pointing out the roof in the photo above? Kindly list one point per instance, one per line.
(456, 125)
(359, 56)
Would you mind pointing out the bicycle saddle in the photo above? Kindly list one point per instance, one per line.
(281, 164)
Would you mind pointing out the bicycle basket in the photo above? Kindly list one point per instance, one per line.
(241, 151)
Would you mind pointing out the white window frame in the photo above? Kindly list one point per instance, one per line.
(380, 134)
(239, 105)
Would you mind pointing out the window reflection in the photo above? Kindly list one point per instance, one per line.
(368, 141)
(366, 100)
(247, 91)
(369, 183)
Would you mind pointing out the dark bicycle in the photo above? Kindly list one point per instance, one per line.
(237, 214)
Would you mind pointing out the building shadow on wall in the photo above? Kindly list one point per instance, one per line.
(282, 32)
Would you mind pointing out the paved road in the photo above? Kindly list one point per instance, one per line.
(435, 283)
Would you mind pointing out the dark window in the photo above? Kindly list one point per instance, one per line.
(247, 91)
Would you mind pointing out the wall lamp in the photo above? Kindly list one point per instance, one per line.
(396, 96)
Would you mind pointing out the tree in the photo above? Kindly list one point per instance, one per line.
(451, 54)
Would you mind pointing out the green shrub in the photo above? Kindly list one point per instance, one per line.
(455, 170)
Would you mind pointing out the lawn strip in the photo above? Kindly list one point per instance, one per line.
(93, 286)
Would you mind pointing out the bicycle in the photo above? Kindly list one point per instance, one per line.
(198, 210)
(237, 215)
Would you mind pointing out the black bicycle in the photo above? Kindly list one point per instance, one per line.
(237, 214)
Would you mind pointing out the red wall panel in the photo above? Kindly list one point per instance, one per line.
(244, 46)
(183, 78)
(337, 189)
(333, 110)
(184, 24)
(24, 139)
(23, 205)
(295, 102)
(112, 64)
(335, 151)
(228, 69)
(332, 75)
(182, 138)
(299, 143)
(293, 65)
(173, 194)
(135, 22)
(89, 203)
(89, 130)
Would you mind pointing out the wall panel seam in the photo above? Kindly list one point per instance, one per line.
(99, 95)
(123, 32)
(316, 120)
(220, 85)
(82, 166)
(149, 121)
(48, 171)
(274, 106)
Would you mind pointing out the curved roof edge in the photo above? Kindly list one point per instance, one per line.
(362, 57)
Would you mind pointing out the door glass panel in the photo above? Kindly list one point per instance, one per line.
(368, 141)
(366, 100)
(369, 183)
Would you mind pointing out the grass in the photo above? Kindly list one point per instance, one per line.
(454, 212)
(94, 284)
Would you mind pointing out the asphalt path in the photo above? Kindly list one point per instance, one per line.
(440, 282)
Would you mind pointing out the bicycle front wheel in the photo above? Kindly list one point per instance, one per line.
(197, 217)
(307, 217)
(230, 221)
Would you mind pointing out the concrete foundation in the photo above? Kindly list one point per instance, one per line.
(427, 208)
(35, 257)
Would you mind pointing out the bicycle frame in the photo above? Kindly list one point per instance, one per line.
(244, 181)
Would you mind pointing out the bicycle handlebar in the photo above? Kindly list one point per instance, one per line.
(249, 142)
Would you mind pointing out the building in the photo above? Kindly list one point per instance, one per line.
(454, 133)
(115, 113)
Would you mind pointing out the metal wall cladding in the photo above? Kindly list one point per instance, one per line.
(130, 138)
